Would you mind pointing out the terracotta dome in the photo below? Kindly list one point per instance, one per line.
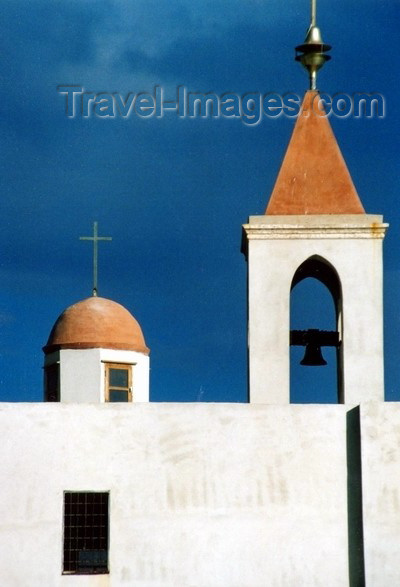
(96, 323)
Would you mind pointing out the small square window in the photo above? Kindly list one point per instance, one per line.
(118, 383)
(85, 533)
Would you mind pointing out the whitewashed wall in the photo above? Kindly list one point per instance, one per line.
(201, 495)
(277, 246)
(380, 444)
(82, 373)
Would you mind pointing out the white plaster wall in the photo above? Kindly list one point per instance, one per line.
(270, 276)
(82, 374)
(380, 450)
(353, 245)
(201, 495)
(140, 371)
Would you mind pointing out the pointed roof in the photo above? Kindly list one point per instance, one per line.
(313, 178)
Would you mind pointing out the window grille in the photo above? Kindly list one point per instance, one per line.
(85, 532)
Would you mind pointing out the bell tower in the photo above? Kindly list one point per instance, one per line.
(315, 226)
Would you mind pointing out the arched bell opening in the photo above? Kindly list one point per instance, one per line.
(316, 355)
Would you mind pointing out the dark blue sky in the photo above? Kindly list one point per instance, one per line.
(172, 192)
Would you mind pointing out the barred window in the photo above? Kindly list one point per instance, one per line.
(85, 532)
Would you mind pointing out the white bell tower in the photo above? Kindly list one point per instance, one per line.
(315, 226)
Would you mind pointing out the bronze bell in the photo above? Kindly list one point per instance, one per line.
(313, 356)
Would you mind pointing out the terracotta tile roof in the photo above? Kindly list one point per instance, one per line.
(313, 178)
(96, 323)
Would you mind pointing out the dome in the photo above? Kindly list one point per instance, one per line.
(96, 323)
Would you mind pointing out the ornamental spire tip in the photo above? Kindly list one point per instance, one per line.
(312, 53)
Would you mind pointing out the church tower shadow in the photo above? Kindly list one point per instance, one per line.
(354, 499)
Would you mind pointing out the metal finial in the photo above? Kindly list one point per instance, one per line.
(313, 13)
(311, 53)
(95, 238)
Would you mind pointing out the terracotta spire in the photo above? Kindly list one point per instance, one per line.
(313, 178)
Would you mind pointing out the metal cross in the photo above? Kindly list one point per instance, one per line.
(95, 238)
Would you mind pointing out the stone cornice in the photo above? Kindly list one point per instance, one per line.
(355, 226)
